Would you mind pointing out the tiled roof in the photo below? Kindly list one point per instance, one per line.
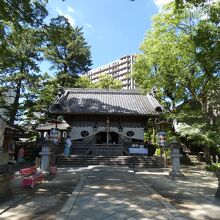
(105, 101)
(48, 126)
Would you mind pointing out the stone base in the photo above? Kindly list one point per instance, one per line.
(5, 180)
(173, 175)
(217, 194)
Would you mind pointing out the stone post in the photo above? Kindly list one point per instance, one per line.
(175, 158)
(5, 172)
(217, 194)
(216, 158)
(2, 130)
(3, 153)
(45, 157)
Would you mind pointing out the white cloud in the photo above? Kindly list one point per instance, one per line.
(59, 11)
(159, 3)
(67, 16)
(88, 25)
(70, 19)
(70, 9)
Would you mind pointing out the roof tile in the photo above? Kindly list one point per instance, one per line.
(106, 101)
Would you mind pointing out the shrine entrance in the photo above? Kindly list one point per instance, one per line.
(107, 144)
(101, 138)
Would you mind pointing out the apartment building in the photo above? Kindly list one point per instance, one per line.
(120, 69)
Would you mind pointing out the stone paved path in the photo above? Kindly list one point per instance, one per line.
(42, 202)
(116, 193)
(192, 195)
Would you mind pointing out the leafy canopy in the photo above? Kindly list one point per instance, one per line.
(180, 56)
(108, 82)
(67, 50)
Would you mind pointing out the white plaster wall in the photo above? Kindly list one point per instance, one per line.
(76, 132)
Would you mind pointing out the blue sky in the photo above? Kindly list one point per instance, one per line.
(113, 28)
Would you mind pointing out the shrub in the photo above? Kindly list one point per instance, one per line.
(168, 152)
(213, 167)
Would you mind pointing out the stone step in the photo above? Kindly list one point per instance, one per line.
(89, 160)
(132, 161)
(194, 159)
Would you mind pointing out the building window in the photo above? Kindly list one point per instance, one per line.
(84, 133)
(130, 133)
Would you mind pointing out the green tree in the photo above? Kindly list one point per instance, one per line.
(39, 99)
(108, 82)
(83, 82)
(17, 15)
(180, 4)
(23, 12)
(180, 57)
(67, 50)
(21, 70)
(19, 54)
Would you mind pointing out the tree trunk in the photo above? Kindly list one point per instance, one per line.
(15, 104)
(208, 111)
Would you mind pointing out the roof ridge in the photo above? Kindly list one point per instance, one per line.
(95, 90)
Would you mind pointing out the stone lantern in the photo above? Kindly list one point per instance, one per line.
(175, 158)
(217, 194)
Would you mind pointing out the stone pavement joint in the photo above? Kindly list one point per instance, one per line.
(168, 206)
(66, 210)
(6, 206)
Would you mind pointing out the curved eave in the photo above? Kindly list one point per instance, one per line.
(104, 113)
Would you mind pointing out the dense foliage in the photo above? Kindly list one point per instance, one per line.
(67, 50)
(180, 56)
(108, 82)
(31, 12)
(213, 167)
(25, 41)
(105, 81)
